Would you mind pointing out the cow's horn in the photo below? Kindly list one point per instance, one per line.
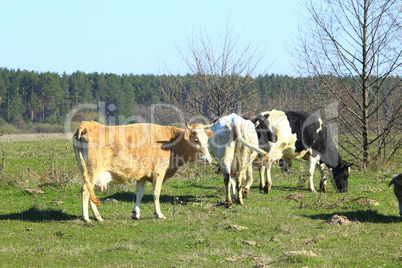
(188, 126)
(208, 126)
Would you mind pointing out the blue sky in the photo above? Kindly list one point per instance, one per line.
(139, 37)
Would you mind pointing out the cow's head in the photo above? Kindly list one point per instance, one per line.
(397, 182)
(197, 136)
(341, 175)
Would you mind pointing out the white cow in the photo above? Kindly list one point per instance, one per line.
(235, 144)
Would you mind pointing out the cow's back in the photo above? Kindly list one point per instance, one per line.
(129, 152)
(224, 140)
(224, 133)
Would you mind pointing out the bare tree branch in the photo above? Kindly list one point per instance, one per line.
(353, 51)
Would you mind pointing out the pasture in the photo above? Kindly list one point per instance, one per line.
(40, 205)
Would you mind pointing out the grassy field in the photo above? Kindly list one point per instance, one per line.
(286, 228)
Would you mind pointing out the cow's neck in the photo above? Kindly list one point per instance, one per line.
(338, 165)
(179, 151)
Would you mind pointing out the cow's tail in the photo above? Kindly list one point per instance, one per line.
(241, 139)
(90, 188)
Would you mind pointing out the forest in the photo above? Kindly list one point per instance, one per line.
(33, 97)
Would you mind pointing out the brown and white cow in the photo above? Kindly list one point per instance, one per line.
(136, 152)
(291, 135)
(397, 182)
(235, 145)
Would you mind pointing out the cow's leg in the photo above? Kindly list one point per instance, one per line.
(85, 202)
(228, 182)
(268, 182)
(157, 184)
(225, 164)
(95, 211)
(249, 181)
(261, 170)
(239, 186)
(311, 167)
(323, 181)
(233, 188)
(140, 190)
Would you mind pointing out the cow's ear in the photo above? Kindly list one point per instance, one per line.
(209, 132)
(187, 133)
(398, 179)
(348, 164)
(80, 132)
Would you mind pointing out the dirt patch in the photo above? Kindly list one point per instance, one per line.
(304, 253)
(34, 191)
(251, 243)
(367, 202)
(236, 227)
(295, 196)
(339, 219)
(33, 137)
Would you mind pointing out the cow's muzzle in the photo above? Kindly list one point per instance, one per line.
(206, 160)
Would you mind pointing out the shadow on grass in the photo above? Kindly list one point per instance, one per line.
(37, 215)
(148, 198)
(359, 215)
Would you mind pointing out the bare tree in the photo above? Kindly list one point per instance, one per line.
(352, 50)
(220, 75)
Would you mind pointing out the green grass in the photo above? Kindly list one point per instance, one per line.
(36, 231)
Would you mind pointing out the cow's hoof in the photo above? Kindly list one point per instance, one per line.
(160, 217)
(228, 204)
(85, 219)
(245, 193)
(323, 188)
(323, 185)
(135, 217)
(266, 189)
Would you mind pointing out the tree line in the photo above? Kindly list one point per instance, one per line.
(35, 97)
(47, 97)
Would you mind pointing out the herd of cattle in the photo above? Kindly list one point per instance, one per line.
(150, 152)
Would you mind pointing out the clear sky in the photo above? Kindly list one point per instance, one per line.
(136, 36)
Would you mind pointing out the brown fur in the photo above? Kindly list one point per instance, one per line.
(131, 152)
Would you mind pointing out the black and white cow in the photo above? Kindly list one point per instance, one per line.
(397, 182)
(291, 135)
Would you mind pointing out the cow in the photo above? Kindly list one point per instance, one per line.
(397, 182)
(291, 135)
(235, 145)
(135, 152)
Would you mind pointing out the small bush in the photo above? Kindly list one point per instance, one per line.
(9, 129)
(48, 128)
(18, 122)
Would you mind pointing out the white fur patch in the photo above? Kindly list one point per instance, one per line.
(103, 181)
